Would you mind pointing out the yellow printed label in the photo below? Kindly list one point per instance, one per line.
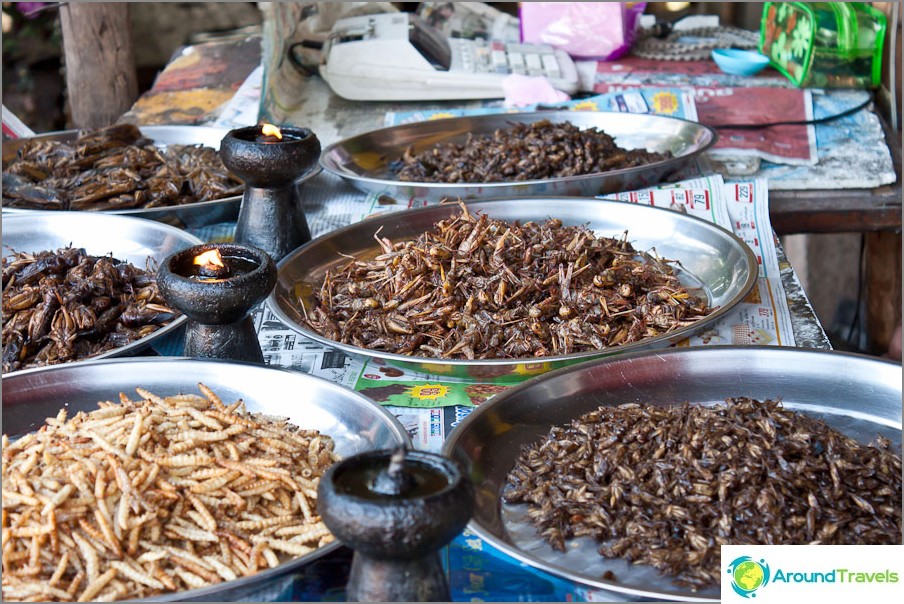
(429, 391)
(586, 106)
(665, 103)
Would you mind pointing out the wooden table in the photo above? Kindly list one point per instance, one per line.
(876, 213)
(841, 210)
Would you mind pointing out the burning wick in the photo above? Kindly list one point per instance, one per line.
(211, 265)
(269, 134)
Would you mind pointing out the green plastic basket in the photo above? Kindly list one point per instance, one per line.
(824, 44)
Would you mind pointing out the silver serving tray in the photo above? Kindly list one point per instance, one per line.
(711, 258)
(856, 394)
(191, 215)
(132, 240)
(355, 423)
(364, 160)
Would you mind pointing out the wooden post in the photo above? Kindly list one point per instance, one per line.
(883, 288)
(100, 62)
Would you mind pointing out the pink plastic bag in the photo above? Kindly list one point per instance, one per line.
(585, 30)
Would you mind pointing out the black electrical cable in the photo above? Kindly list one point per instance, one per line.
(297, 61)
(820, 120)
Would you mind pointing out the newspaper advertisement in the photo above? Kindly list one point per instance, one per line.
(790, 144)
(846, 155)
(763, 318)
(286, 348)
(722, 99)
(672, 102)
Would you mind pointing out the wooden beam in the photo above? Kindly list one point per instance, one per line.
(100, 62)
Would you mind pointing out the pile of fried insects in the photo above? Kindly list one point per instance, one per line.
(160, 494)
(667, 486)
(473, 287)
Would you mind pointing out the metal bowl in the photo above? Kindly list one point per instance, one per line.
(355, 423)
(364, 160)
(856, 394)
(712, 259)
(191, 215)
(132, 240)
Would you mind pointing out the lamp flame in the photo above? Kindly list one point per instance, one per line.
(211, 258)
(271, 130)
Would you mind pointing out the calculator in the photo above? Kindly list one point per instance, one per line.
(399, 57)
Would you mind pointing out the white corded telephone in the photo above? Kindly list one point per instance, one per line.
(398, 57)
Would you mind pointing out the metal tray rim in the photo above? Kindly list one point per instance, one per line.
(331, 166)
(187, 238)
(203, 593)
(510, 549)
(671, 337)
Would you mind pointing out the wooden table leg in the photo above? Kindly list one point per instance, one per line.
(883, 288)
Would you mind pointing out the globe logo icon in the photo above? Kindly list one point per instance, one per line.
(748, 575)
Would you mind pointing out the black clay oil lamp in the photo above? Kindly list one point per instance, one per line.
(396, 509)
(215, 285)
(271, 161)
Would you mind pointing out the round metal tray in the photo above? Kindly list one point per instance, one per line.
(856, 394)
(711, 259)
(191, 215)
(355, 423)
(132, 240)
(364, 160)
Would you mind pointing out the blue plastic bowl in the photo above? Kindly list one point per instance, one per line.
(739, 62)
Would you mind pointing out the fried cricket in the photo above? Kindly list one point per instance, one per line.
(114, 168)
(668, 486)
(473, 287)
(522, 152)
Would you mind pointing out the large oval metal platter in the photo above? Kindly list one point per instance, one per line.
(132, 240)
(365, 160)
(191, 215)
(711, 259)
(355, 423)
(855, 394)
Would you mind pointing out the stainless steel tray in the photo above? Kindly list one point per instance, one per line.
(190, 215)
(133, 240)
(364, 160)
(711, 258)
(858, 395)
(355, 423)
